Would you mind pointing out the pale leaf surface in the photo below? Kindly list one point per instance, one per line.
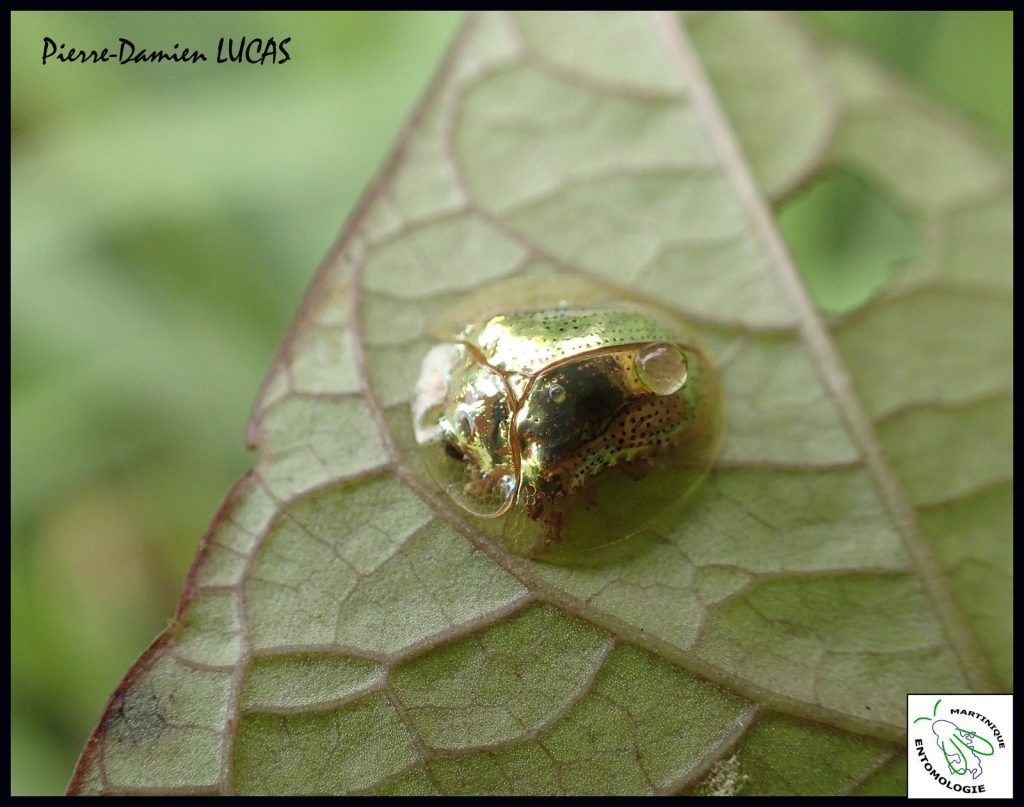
(344, 629)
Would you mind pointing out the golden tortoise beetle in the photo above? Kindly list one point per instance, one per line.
(579, 421)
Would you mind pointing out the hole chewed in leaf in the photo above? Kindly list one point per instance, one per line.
(847, 240)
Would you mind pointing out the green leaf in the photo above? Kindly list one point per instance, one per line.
(345, 630)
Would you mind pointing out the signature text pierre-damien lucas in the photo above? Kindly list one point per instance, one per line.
(242, 50)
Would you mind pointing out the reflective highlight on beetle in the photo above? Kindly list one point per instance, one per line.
(572, 425)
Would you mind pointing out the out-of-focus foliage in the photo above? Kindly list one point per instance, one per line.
(166, 220)
(963, 58)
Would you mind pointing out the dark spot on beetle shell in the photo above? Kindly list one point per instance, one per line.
(599, 403)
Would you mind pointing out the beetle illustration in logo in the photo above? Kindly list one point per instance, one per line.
(962, 749)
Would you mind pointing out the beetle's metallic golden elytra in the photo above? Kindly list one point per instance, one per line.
(574, 423)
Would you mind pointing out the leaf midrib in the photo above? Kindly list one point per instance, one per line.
(832, 369)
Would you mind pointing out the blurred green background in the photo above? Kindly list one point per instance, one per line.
(166, 220)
